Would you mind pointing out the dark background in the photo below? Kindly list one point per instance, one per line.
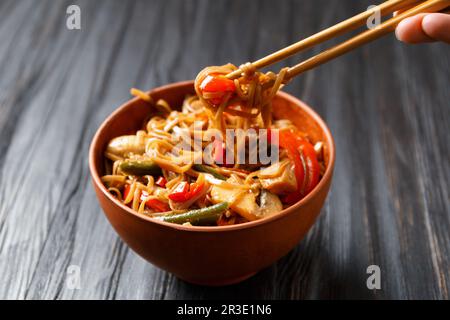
(387, 105)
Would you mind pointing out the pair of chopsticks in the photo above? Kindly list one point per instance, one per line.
(406, 8)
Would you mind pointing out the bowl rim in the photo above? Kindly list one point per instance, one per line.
(327, 175)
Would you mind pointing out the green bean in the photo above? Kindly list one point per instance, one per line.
(203, 216)
(210, 170)
(140, 168)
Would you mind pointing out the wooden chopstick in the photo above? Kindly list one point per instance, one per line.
(350, 24)
(365, 37)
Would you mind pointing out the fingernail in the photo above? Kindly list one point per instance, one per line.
(398, 30)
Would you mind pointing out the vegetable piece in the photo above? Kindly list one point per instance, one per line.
(279, 178)
(154, 204)
(306, 165)
(123, 145)
(126, 191)
(197, 192)
(241, 201)
(140, 167)
(210, 170)
(113, 181)
(312, 164)
(203, 216)
(219, 85)
(185, 192)
(288, 141)
(244, 202)
(161, 182)
(180, 192)
(269, 204)
(194, 190)
(157, 205)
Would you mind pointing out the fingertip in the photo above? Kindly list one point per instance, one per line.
(430, 24)
(401, 30)
(409, 30)
(437, 26)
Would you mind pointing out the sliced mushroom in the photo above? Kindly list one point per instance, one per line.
(241, 201)
(269, 204)
(244, 201)
(283, 184)
(124, 145)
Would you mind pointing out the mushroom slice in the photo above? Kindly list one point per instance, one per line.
(123, 145)
(244, 203)
(282, 184)
(269, 204)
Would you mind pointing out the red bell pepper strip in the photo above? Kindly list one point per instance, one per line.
(157, 205)
(289, 142)
(161, 182)
(194, 190)
(180, 192)
(184, 192)
(126, 191)
(306, 165)
(217, 83)
(154, 204)
(312, 164)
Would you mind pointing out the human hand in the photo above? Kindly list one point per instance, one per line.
(425, 27)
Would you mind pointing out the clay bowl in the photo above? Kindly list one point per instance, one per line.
(210, 255)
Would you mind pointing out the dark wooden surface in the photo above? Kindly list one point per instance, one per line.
(387, 105)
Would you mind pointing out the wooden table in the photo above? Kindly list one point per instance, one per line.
(387, 105)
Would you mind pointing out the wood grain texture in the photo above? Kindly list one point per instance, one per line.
(387, 105)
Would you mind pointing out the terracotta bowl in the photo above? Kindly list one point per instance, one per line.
(210, 255)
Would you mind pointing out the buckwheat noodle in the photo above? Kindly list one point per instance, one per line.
(174, 184)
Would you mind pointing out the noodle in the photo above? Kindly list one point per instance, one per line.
(167, 179)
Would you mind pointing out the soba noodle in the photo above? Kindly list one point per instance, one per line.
(152, 174)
